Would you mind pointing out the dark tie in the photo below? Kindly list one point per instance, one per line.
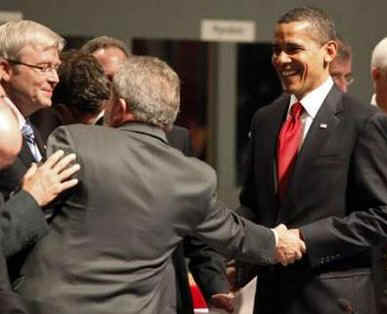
(288, 144)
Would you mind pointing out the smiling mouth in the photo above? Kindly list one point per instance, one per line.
(288, 73)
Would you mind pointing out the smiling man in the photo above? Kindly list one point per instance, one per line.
(29, 58)
(317, 164)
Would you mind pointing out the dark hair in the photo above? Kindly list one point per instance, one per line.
(322, 26)
(344, 50)
(82, 82)
(103, 42)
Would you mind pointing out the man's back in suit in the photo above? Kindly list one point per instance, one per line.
(109, 248)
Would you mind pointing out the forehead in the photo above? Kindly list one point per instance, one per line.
(342, 66)
(110, 59)
(111, 54)
(294, 32)
(39, 53)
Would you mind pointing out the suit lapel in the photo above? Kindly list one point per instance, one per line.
(322, 128)
(25, 155)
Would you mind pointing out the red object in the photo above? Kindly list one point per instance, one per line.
(197, 297)
(288, 144)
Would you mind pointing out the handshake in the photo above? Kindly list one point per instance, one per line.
(289, 247)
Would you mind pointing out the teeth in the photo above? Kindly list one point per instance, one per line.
(288, 73)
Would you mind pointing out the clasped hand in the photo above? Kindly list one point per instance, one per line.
(290, 247)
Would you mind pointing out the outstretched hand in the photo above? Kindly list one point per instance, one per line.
(47, 181)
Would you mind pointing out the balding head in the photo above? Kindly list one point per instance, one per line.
(10, 135)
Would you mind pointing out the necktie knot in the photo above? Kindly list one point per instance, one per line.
(296, 110)
(28, 133)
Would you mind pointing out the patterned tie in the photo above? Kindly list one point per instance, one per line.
(28, 133)
(288, 144)
(29, 136)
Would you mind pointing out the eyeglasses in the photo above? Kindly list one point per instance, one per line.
(43, 68)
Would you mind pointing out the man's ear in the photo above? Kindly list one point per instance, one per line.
(375, 73)
(5, 70)
(121, 113)
(331, 50)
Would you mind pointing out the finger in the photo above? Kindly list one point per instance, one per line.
(31, 171)
(67, 185)
(298, 255)
(281, 228)
(67, 173)
(283, 260)
(53, 159)
(64, 162)
(303, 247)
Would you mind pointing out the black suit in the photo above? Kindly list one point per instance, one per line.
(10, 179)
(109, 248)
(337, 195)
(19, 221)
(206, 265)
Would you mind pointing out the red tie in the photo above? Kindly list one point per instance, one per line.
(288, 144)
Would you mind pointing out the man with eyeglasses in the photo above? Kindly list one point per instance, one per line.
(341, 67)
(28, 63)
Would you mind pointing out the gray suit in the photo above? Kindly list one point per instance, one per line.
(109, 248)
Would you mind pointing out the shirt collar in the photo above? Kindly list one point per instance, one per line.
(373, 100)
(313, 101)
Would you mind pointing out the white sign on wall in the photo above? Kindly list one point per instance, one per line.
(227, 30)
(7, 16)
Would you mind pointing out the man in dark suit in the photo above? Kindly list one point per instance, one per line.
(207, 268)
(333, 191)
(21, 214)
(28, 64)
(109, 247)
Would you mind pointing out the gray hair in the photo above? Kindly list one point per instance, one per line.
(15, 35)
(151, 89)
(379, 56)
(103, 42)
(322, 26)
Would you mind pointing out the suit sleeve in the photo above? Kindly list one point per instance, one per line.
(22, 223)
(333, 238)
(232, 235)
(207, 267)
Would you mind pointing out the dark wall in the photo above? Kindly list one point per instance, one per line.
(361, 23)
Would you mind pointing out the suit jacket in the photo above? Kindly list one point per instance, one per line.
(9, 301)
(337, 195)
(25, 212)
(17, 230)
(206, 265)
(109, 248)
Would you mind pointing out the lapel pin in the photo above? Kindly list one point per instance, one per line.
(323, 126)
